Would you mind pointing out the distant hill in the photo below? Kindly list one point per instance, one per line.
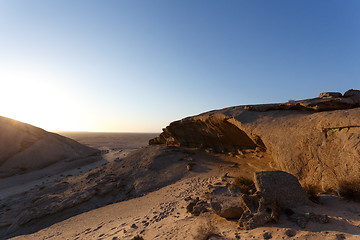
(24, 148)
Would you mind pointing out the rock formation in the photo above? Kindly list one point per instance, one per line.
(275, 191)
(317, 140)
(280, 187)
(25, 148)
(226, 202)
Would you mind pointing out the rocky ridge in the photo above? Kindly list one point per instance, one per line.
(317, 140)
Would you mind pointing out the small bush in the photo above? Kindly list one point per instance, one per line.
(245, 185)
(350, 190)
(205, 231)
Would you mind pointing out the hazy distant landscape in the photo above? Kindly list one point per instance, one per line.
(111, 140)
(112, 144)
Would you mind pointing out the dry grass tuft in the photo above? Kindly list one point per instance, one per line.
(205, 231)
(245, 185)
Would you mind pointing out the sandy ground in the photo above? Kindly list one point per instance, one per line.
(161, 214)
(114, 146)
(25, 182)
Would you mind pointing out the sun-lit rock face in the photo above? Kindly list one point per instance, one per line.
(25, 148)
(216, 132)
(317, 140)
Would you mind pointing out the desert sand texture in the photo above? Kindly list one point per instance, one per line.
(162, 213)
(142, 171)
(18, 185)
(113, 146)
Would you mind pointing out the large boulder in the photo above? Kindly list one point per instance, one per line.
(316, 140)
(276, 190)
(280, 187)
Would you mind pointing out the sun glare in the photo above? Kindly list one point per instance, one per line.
(34, 98)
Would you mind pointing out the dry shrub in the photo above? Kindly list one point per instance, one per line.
(350, 190)
(245, 185)
(205, 231)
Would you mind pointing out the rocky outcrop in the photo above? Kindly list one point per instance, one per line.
(280, 187)
(275, 190)
(197, 206)
(326, 101)
(317, 140)
(24, 148)
(330, 95)
(226, 202)
(205, 132)
(265, 213)
(354, 95)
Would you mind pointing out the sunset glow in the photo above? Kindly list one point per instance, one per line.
(36, 97)
(131, 67)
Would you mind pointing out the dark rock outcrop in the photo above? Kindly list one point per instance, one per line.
(317, 140)
(197, 206)
(354, 95)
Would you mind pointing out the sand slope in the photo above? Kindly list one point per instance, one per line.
(25, 148)
(162, 215)
(142, 171)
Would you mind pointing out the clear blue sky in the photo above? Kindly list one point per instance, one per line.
(138, 65)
